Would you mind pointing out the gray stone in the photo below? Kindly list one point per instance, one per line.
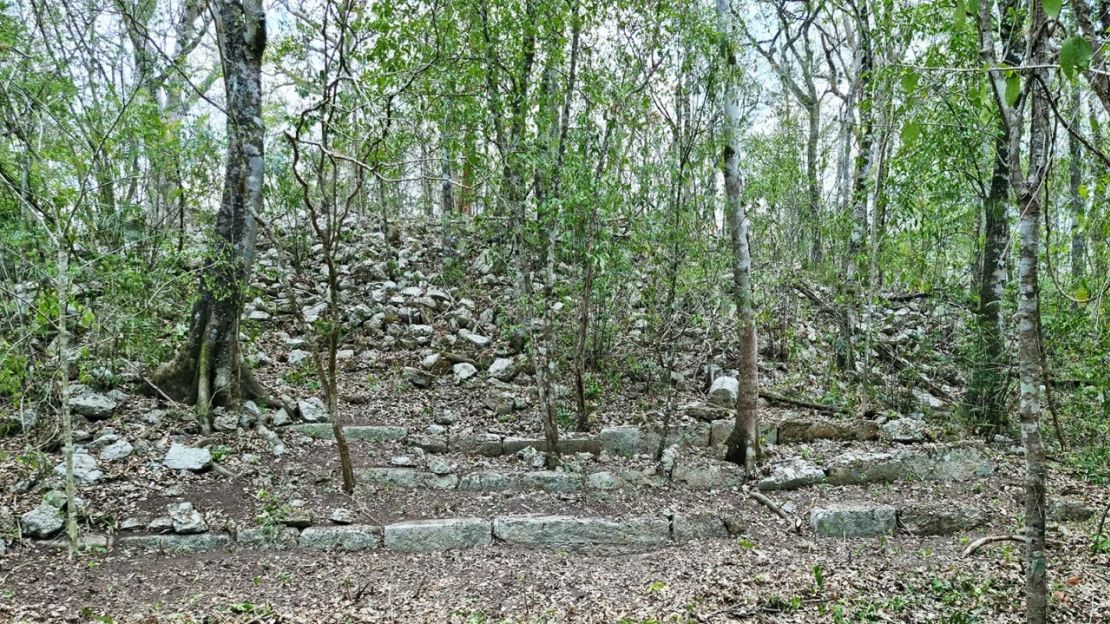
(532, 457)
(791, 474)
(85, 469)
(296, 356)
(439, 466)
(401, 461)
(706, 412)
(42, 521)
(161, 524)
(545, 480)
(340, 515)
(298, 516)
(345, 538)
(281, 418)
(570, 531)
(624, 441)
(177, 543)
(372, 433)
(503, 369)
(116, 450)
(486, 444)
(938, 519)
(715, 476)
(446, 418)
(268, 537)
(960, 462)
(407, 478)
(605, 480)
(312, 410)
(92, 405)
(687, 526)
(181, 457)
(474, 339)
(436, 535)
(723, 391)
(417, 377)
(852, 519)
(84, 542)
(435, 364)
(464, 371)
(797, 430)
(905, 430)
(428, 443)
(568, 444)
(1067, 510)
(186, 519)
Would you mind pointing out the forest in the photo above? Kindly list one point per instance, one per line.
(538, 311)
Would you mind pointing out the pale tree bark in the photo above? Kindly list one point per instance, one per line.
(210, 369)
(984, 402)
(743, 443)
(61, 286)
(1028, 186)
(861, 177)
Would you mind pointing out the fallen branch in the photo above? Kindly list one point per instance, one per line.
(990, 539)
(817, 407)
(774, 507)
(220, 470)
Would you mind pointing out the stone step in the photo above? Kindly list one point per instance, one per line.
(956, 462)
(620, 441)
(716, 476)
(844, 519)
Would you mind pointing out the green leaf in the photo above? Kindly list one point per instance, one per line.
(909, 80)
(911, 130)
(961, 16)
(1013, 88)
(1075, 55)
(1052, 8)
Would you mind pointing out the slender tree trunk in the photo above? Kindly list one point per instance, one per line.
(1075, 183)
(210, 367)
(813, 184)
(985, 399)
(743, 443)
(1028, 189)
(61, 285)
(861, 178)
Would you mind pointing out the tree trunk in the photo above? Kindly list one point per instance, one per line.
(813, 184)
(1030, 371)
(743, 442)
(985, 399)
(61, 285)
(1075, 183)
(210, 369)
(861, 177)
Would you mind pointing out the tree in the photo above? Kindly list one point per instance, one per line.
(209, 368)
(1027, 186)
(743, 443)
(985, 398)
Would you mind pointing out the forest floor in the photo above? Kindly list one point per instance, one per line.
(761, 570)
